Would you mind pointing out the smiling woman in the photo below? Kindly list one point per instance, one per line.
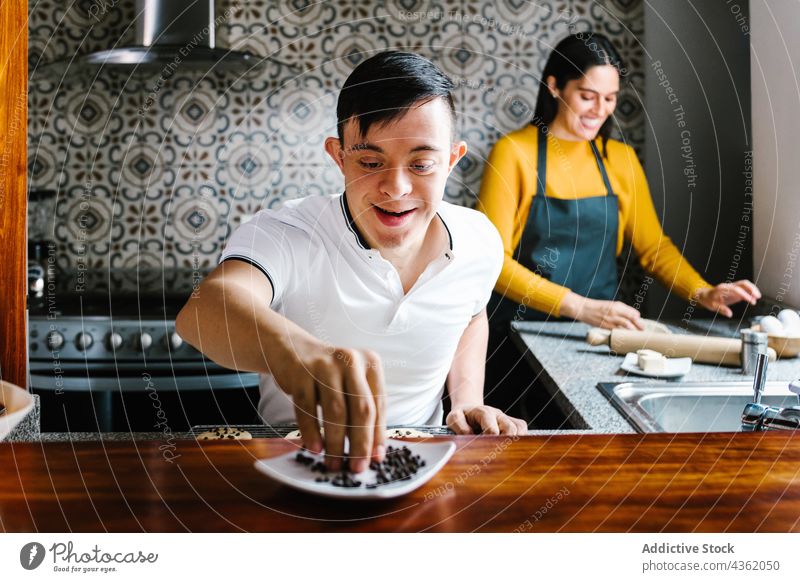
(565, 197)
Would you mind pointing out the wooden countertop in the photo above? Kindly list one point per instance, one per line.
(576, 483)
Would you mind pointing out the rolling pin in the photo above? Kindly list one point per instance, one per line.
(703, 349)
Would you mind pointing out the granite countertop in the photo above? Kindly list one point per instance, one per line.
(570, 369)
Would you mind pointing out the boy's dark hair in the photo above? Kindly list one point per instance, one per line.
(382, 89)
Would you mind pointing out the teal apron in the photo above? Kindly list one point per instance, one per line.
(569, 242)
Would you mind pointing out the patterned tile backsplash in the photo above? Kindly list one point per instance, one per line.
(156, 170)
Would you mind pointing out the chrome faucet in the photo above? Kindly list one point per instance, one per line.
(757, 416)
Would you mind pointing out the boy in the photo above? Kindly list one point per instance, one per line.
(363, 304)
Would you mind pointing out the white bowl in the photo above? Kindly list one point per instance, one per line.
(17, 402)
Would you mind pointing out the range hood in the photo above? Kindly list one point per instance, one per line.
(170, 34)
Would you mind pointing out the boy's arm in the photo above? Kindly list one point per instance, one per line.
(468, 413)
(228, 318)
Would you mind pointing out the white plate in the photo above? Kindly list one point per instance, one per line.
(286, 470)
(676, 367)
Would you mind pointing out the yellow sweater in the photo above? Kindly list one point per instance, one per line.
(509, 184)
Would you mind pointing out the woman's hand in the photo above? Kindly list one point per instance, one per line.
(718, 298)
(482, 419)
(598, 313)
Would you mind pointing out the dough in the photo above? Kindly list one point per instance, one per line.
(651, 361)
(224, 432)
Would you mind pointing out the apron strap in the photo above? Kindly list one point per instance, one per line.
(541, 163)
(602, 166)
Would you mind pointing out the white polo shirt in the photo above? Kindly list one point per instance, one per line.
(328, 281)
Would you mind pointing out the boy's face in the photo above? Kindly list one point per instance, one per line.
(396, 173)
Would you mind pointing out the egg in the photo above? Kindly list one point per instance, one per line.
(771, 325)
(791, 321)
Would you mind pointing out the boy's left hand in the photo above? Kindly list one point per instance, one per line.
(486, 420)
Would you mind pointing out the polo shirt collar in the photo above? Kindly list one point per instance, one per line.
(351, 224)
(362, 242)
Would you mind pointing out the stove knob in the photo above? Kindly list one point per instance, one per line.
(173, 341)
(83, 341)
(113, 341)
(144, 341)
(54, 340)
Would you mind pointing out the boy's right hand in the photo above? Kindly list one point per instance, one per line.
(348, 385)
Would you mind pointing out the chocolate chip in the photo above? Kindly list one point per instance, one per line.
(399, 464)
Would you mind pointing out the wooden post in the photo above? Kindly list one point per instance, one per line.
(13, 191)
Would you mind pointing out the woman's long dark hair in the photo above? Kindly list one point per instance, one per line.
(571, 59)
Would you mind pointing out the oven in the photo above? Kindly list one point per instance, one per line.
(104, 356)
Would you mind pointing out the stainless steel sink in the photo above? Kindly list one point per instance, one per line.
(690, 406)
